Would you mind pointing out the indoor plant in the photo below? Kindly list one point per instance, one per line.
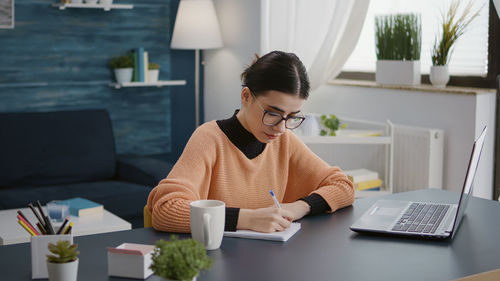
(452, 27)
(330, 125)
(63, 265)
(153, 72)
(123, 67)
(179, 259)
(398, 40)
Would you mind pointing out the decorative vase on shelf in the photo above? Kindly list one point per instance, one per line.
(439, 75)
(310, 126)
(106, 2)
(153, 75)
(91, 2)
(123, 75)
(76, 1)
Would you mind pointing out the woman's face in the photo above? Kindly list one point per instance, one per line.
(253, 108)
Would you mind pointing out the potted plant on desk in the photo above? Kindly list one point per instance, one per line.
(63, 265)
(179, 260)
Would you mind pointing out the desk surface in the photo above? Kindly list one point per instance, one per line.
(324, 249)
(12, 233)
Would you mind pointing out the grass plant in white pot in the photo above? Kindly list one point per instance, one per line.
(398, 40)
(452, 28)
(63, 264)
(153, 72)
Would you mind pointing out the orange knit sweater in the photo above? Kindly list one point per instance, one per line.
(212, 167)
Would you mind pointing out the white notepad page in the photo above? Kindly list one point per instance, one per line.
(275, 236)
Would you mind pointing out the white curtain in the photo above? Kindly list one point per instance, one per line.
(322, 33)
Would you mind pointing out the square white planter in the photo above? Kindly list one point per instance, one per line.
(395, 72)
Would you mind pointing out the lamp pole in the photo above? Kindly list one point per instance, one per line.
(197, 87)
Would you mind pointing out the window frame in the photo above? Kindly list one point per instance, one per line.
(490, 81)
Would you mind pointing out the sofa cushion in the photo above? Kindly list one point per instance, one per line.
(47, 148)
(123, 199)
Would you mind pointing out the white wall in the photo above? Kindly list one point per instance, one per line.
(461, 116)
(240, 28)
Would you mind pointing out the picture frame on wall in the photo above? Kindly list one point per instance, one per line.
(6, 13)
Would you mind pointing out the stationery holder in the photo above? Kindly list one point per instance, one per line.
(39, 252)
(130, 260)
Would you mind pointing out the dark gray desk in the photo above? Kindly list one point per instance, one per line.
(324, 249)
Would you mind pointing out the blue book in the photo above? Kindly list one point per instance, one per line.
(140, 70)
(81, 207)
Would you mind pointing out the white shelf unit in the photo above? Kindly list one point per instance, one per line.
(149, 84)
(63, 6)
(358, 132)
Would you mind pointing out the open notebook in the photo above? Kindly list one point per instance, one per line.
(275, 236)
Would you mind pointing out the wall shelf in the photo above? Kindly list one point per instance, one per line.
(63, 6)
(149, 84)
(360, 132)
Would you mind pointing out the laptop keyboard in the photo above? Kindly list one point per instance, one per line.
(421, 218)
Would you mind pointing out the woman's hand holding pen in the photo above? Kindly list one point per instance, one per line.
(269, 219)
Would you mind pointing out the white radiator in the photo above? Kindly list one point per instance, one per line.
(418, 158)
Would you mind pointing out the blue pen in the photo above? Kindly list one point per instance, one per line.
(274, 199)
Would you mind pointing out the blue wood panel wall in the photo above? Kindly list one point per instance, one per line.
(58, 60)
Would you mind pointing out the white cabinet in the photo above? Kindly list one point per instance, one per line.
(363, 144)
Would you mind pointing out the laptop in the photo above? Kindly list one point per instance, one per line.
(422, 219)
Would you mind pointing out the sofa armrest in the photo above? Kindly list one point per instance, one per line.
(142, 169)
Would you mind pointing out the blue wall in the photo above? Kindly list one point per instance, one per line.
(58, 60)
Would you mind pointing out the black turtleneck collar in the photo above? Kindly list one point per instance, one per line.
(240, 137)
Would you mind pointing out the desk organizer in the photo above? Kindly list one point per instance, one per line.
(39, 252)
(130, 260)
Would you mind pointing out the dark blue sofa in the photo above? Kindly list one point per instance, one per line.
(65, 154)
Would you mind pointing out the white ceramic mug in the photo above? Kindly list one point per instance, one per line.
(208, 219)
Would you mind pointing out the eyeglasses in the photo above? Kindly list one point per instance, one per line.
(272, 118)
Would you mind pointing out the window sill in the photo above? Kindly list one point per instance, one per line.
(419, 88)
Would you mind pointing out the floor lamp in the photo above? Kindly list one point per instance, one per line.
(196, 27)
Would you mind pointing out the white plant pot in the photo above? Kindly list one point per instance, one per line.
(62, 271)
(91, 2)
(153, 75)
(439, 76)
(76, 1)
(395, 72)
(106, 2)
(123, 75)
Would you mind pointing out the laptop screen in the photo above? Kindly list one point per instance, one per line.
(469, 178)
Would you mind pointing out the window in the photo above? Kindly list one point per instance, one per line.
(470, 55)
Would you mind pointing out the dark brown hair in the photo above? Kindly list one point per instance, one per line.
(278, 71)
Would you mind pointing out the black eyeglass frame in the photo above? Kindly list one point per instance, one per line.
(277, 115)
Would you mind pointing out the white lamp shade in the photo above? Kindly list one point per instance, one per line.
(196, 26)
(497, 6)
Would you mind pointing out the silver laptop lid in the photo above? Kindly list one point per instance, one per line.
(469, 178)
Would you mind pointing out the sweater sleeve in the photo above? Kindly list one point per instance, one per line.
(189, 179)
(309, 174)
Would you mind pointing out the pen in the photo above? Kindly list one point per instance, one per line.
(274, 199)
(48, 225)
(28, 224)
(26, 227)
(68, 229)
(36, 215)
(62, 226)
(40, 227)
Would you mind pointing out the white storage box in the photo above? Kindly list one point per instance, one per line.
(130, 260)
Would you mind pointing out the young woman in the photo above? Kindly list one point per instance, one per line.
(240, 159)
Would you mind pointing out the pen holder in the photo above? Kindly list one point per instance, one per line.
(39, 252)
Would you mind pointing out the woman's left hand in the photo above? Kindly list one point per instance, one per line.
(298, 208)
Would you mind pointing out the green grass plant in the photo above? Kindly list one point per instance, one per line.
(398, 37)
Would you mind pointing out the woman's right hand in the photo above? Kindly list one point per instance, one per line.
(269, 219)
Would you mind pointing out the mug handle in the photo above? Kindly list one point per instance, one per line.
(206, 229)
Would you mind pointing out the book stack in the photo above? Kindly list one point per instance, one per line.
(79, 207)
(364, 179)
(141, 63)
